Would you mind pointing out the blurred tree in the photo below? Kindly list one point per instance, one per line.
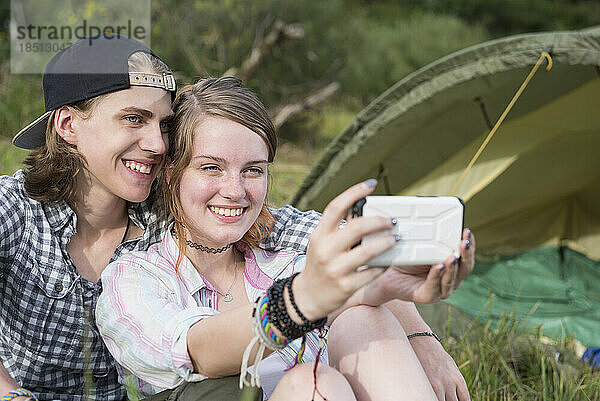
(365, 48)
(503, 17)
(384, 53)
(204, 38)
(4, 25)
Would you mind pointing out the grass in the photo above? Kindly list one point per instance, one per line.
(508, 362)
(291, 165)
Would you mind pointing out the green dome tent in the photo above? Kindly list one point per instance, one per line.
(532, 198)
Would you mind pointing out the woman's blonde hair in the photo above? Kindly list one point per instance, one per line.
(51, 170)
(213, 97)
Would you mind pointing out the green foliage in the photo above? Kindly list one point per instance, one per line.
(317, 127)
(207, 38)
(21, 94)
(378, 55)
(365, 45)
(291, 165)
(11, 157)
(367, 52)
(4, 21)
(22, 100)
(514, 16)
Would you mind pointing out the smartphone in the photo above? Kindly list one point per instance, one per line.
(430, 227)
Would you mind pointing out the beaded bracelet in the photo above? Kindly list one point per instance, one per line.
(424, 333)
(307, 324)
(278, 314)
(18, 393)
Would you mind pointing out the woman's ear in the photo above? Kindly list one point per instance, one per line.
(63, 124)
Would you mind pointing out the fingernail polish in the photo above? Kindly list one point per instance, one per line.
(442, 270)
(371, 183)
(394, 221)
(397, 237)
(467, 244)
(455, 261)
(469, 234)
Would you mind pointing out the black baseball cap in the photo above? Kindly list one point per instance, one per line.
(90, 67)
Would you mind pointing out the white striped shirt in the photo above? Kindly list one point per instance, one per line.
(147, 307)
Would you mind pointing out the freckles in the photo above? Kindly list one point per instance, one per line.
(258, 191)
(191, 186)
(210, 187)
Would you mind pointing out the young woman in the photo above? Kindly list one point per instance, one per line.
(80, 203)
(184, 311)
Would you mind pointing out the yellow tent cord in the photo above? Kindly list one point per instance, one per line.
(544, 56)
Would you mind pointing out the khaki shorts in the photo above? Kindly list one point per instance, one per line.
(224, 389)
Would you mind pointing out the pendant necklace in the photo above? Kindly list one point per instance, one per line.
(227, 297)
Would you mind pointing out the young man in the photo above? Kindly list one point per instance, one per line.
(84, 199)
(81, 202)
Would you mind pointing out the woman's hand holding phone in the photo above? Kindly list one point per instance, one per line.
(334, 269)
(429, 283)
(336, 266)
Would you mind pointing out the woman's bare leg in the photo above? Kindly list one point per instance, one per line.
(298, 384)
(369, 347)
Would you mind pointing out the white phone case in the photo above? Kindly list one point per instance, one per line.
(430, 228)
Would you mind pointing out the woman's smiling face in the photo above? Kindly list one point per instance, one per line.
(223, 189)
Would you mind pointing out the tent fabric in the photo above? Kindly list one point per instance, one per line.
(419, 135)
(536, 187)
(557, 288)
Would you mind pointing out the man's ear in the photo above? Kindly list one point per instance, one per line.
(63, 124)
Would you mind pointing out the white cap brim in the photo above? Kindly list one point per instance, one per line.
(34, 134)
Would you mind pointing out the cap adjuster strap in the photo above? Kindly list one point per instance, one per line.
(163, 81)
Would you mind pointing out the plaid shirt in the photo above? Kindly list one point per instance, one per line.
(49, 342)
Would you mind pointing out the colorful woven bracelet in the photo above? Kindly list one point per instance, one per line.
(18, 393)
(266, 326)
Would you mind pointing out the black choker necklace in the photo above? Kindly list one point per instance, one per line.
(201, 247)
